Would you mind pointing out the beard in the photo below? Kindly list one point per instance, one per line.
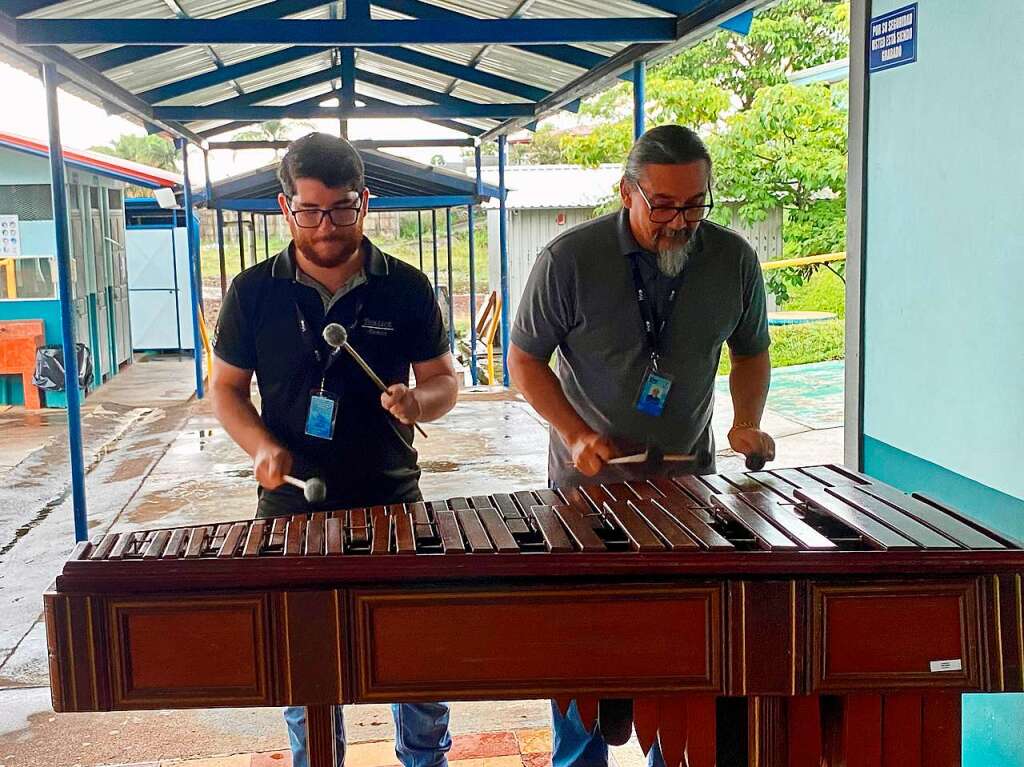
(328, 252)
(674, 252)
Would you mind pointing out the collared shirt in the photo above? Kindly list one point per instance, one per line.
(393, 321)
(329, 299)
(580, 300)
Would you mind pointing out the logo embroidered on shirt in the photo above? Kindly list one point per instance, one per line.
(378, 327)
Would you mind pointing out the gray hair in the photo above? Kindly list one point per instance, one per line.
(665, 145)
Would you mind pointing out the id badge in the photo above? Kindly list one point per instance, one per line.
(654, 392)
(323, 411)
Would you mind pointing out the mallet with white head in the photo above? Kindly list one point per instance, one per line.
(337, 338)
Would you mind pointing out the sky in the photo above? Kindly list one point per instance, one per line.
(84, 125)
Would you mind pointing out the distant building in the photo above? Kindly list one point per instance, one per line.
(546, 200)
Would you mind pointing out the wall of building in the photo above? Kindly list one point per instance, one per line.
(529, 230)
(940, 270)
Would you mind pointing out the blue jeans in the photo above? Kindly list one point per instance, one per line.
(573, 746)
(421, 734)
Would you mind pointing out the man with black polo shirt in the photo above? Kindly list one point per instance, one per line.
(321, 416)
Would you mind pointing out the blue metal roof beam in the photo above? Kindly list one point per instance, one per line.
(689, 30)
(274, 10)
(453, 69)
(341, 33)
(103, 88)
(239, 124)
(566, 54)
(283, 89)
(230, 72)
(278, 58)
(15, 8)
(399, 86)
(467, 110)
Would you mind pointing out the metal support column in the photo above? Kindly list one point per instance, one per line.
(503, 244)
(58, 189)
(266, 237)
(241, 243)
(220, 252)
(451, 282)
(419, 234)
(433, 238)
(472, 294)
(639, 96)
(193, 265)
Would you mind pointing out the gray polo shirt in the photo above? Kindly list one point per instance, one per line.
(581, 300)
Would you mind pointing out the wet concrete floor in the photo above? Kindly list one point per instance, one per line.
(156, 457)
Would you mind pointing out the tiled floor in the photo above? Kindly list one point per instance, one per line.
(511, 748)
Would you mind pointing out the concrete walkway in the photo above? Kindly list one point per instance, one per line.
(155, 457)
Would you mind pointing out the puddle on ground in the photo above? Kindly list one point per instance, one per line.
(438, 466)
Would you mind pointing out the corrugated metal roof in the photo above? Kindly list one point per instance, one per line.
(513, 63)
(387, 175)
(555, 186)
(96, 162)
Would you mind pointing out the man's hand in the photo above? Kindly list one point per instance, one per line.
(401, 402)
(270, 464)
(750, 440)
(590, 452)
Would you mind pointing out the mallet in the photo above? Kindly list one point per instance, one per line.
(313, 488)
(337, 338)
(701, 458)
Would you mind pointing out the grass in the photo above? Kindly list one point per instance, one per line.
(800, 344)
(406, 250)
(824, 292)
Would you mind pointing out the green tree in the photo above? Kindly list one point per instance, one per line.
(789, 149)
(273, 130)
(155, 151)
(695, 103)
(794, 35)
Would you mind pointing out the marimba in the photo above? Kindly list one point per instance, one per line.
(814, 615)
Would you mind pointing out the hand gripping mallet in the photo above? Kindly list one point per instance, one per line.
(337, 338)
(313, 488)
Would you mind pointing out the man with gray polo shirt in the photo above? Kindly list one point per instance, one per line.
(637, 304)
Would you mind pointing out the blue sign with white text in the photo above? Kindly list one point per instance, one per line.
(892, 39)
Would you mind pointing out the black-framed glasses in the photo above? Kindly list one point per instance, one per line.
(311, 218)
(664, 214)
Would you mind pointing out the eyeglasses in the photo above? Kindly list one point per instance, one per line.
(311, 218)
(664, 214)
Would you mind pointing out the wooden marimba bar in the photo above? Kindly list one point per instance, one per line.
(795, 617)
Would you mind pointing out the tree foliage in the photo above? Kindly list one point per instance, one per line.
(154, 151)
(794, 35)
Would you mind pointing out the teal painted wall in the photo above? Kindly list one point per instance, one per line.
(944, 267)
(944, 261)
(21, 168)
(49, 313)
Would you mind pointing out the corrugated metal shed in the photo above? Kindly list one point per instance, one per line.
(556, 186)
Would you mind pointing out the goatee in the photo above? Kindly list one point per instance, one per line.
(673, 258)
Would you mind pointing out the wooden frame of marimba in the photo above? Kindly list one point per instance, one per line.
(849, 615)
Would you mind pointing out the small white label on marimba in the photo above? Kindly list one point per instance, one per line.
(946, 665)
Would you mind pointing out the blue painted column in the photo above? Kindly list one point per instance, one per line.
(58, 190)
(266, 238)
(419, 234)
(639, 96)
(472, 294)
(451, 282)
(193, 266)
(220, 252)
(503, 245)
(433, 237)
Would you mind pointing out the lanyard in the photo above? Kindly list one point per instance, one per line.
(314, 343)
(653, 329)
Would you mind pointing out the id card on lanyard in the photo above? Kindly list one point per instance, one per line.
(322, 411)
(656, 384)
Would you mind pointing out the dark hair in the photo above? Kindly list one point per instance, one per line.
(665, 145)
(329, 159)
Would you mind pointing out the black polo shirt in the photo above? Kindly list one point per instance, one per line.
(393, 320)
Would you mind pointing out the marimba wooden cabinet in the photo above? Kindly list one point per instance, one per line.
(802, 617)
